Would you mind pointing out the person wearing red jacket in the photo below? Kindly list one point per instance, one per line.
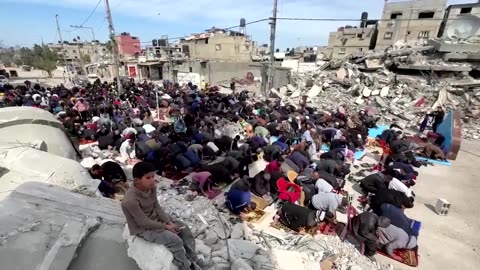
(288, 191)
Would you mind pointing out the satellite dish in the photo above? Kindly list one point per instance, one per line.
(463, 27)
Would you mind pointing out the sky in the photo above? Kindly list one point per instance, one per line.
(28, 22)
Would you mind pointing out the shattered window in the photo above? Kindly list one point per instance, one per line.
(395, 15)
(466, 10)
(342, 51)
(388, 35)
(218, 47)
(426, 15)
(423, 34)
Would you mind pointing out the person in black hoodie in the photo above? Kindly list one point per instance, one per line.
(394, 197)
(375, 182)
(364, 227)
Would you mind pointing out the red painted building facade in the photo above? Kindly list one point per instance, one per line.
(128, 45)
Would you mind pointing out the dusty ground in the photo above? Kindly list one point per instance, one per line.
(452, 241)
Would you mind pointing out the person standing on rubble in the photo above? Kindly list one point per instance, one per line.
(438, 116)
(146, 219)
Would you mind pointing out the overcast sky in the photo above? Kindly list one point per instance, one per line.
(25, 22)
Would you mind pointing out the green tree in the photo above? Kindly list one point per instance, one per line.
(7, 57)
(39, 57)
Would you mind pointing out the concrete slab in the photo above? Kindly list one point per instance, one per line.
(48, 224)
(436, 67)
(106, 241)
(454, 47)
(65, 248)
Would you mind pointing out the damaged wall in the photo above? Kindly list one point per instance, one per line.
(223, 72)
(454, 13)
(409, 25)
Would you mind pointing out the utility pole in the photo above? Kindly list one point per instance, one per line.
(271, 70)
(170, 61)
(113, 39)
(63, 51)
(407, 33)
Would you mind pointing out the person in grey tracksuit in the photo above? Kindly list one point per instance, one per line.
(392, 237)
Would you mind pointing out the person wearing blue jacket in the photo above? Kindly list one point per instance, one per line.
(239, 198)
(397, 218)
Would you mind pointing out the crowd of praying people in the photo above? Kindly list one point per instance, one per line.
(172, 128)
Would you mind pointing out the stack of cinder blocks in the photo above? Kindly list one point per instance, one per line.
(442, 207)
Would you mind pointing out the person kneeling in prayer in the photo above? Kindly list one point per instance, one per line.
(299, 218)
(328, 202)
(239, 198)
(391, 237)
(146, 219)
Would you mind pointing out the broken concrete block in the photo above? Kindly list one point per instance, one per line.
(237, 231)
(384, 91)
(359, 100)
(242, 249)
(223, 253)
(65, 248)
(240, 264)
(366, 92)
(219, 260)
(291, 88)
(275, 92)
(375, 92)
(325, 84)
(295, 94)
(341, 73)
(210, 238)
(380, 102)
(314, 91)
(149, 256)
(222, 233)
(203, 249)
(350, 73)
(88, 162)
(283, 90)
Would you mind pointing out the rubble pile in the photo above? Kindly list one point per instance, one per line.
(382, 82)
(224, 242)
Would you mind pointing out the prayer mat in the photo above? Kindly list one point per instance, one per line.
(213, 193)
(280, 226)
(84, 141)
(409, 257)
(254, 216)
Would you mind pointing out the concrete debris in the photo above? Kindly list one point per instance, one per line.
(366, 92)
(314, 91)
(149, 256)
(240, 264)
(230, 244)
(377, 81)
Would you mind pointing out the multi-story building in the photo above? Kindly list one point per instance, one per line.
(218, 44)
(81, 51)
(351, 39)
(414, 20)
(128, 46)
(347, 41)
(455, 14)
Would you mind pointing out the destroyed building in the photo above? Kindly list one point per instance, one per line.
(347, 40)
(409, 21)
(219, 44)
